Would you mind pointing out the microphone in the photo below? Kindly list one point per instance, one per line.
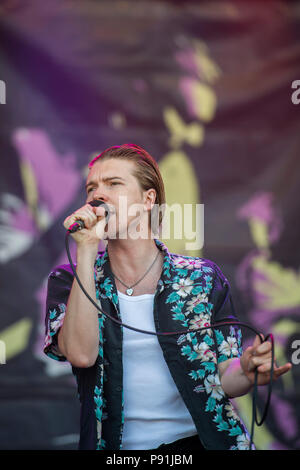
(79, 224)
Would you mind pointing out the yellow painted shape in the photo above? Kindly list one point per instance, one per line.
(180, 132)
(262, 437)
(204, 100)
(181, 188)
(259, 233)
(207, 68)
(15, 337)
(29, 184)
(281, 287)
(32, 196)
(286, 328)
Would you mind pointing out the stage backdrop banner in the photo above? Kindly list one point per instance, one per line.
(211, 90)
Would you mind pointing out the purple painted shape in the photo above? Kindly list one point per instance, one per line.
(23, 221)
(186, 86)
(186, 58)
(57, 177)
(57, 180)
(247, 277)
(261, 319)
(265, 319)
(260, 208)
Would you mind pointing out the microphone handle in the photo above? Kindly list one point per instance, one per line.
(79, 224)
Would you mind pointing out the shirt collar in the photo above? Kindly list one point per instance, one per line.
(103, 269)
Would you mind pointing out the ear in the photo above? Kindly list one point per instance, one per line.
(149, 199)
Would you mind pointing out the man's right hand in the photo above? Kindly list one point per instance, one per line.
(94, 222)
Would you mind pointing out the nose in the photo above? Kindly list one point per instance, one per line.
(100, 195)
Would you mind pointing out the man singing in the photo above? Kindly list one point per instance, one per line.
(137, 390)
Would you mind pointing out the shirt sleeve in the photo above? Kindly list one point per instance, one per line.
(59, 286)
(228, 338)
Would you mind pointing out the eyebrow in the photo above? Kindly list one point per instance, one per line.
(105, 180)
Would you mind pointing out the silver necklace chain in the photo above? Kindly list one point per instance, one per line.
(129, 289)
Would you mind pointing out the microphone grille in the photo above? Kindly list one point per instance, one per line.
(96, 203)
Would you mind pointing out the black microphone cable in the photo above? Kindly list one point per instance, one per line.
(222, 322)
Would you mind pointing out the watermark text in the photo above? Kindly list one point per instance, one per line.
(2, 92)
(2, 352)
(296, 94)
(296, 354)
(176, 221)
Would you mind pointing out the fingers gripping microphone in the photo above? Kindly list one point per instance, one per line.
(79, 224)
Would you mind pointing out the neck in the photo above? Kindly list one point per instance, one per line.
(130, 258)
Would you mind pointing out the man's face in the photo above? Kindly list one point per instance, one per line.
(113, 182)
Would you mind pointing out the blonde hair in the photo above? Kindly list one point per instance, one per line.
(146, 169)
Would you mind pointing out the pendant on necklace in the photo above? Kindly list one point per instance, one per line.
(129, 291)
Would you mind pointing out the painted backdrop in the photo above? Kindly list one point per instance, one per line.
(206, 88)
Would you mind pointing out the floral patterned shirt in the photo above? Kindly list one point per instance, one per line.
(191, 293)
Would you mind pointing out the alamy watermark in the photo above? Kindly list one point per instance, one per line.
(2, 92)
(295, 359)
(296, 94)
(176, 221)
(2, 352)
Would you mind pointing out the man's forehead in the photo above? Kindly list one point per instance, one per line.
(110, 168)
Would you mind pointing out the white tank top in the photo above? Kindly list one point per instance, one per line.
(154, 410)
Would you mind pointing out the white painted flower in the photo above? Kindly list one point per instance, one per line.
(229, 347)
(204, 352)
(213, 386)
(183, 286)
